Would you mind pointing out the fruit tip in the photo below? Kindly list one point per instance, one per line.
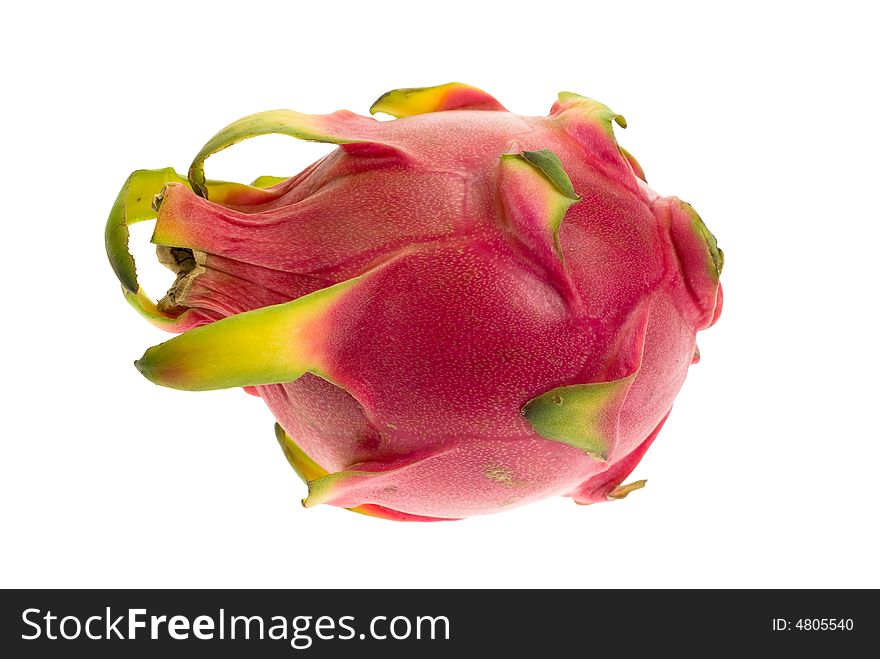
(146, 368)
(141, 367)
(621, 491)
(598, 456)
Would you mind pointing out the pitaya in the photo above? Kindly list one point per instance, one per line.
(454, 313)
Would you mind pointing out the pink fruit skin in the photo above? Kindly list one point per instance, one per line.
(468, 313)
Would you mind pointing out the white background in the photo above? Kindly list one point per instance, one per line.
(764, 116)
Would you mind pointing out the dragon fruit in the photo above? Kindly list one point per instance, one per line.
(456, 312)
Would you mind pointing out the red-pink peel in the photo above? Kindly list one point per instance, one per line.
(454, 313)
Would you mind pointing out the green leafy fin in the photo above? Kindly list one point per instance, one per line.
(358, 135)
(269, 345)
(536, 193)
(422, 100)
